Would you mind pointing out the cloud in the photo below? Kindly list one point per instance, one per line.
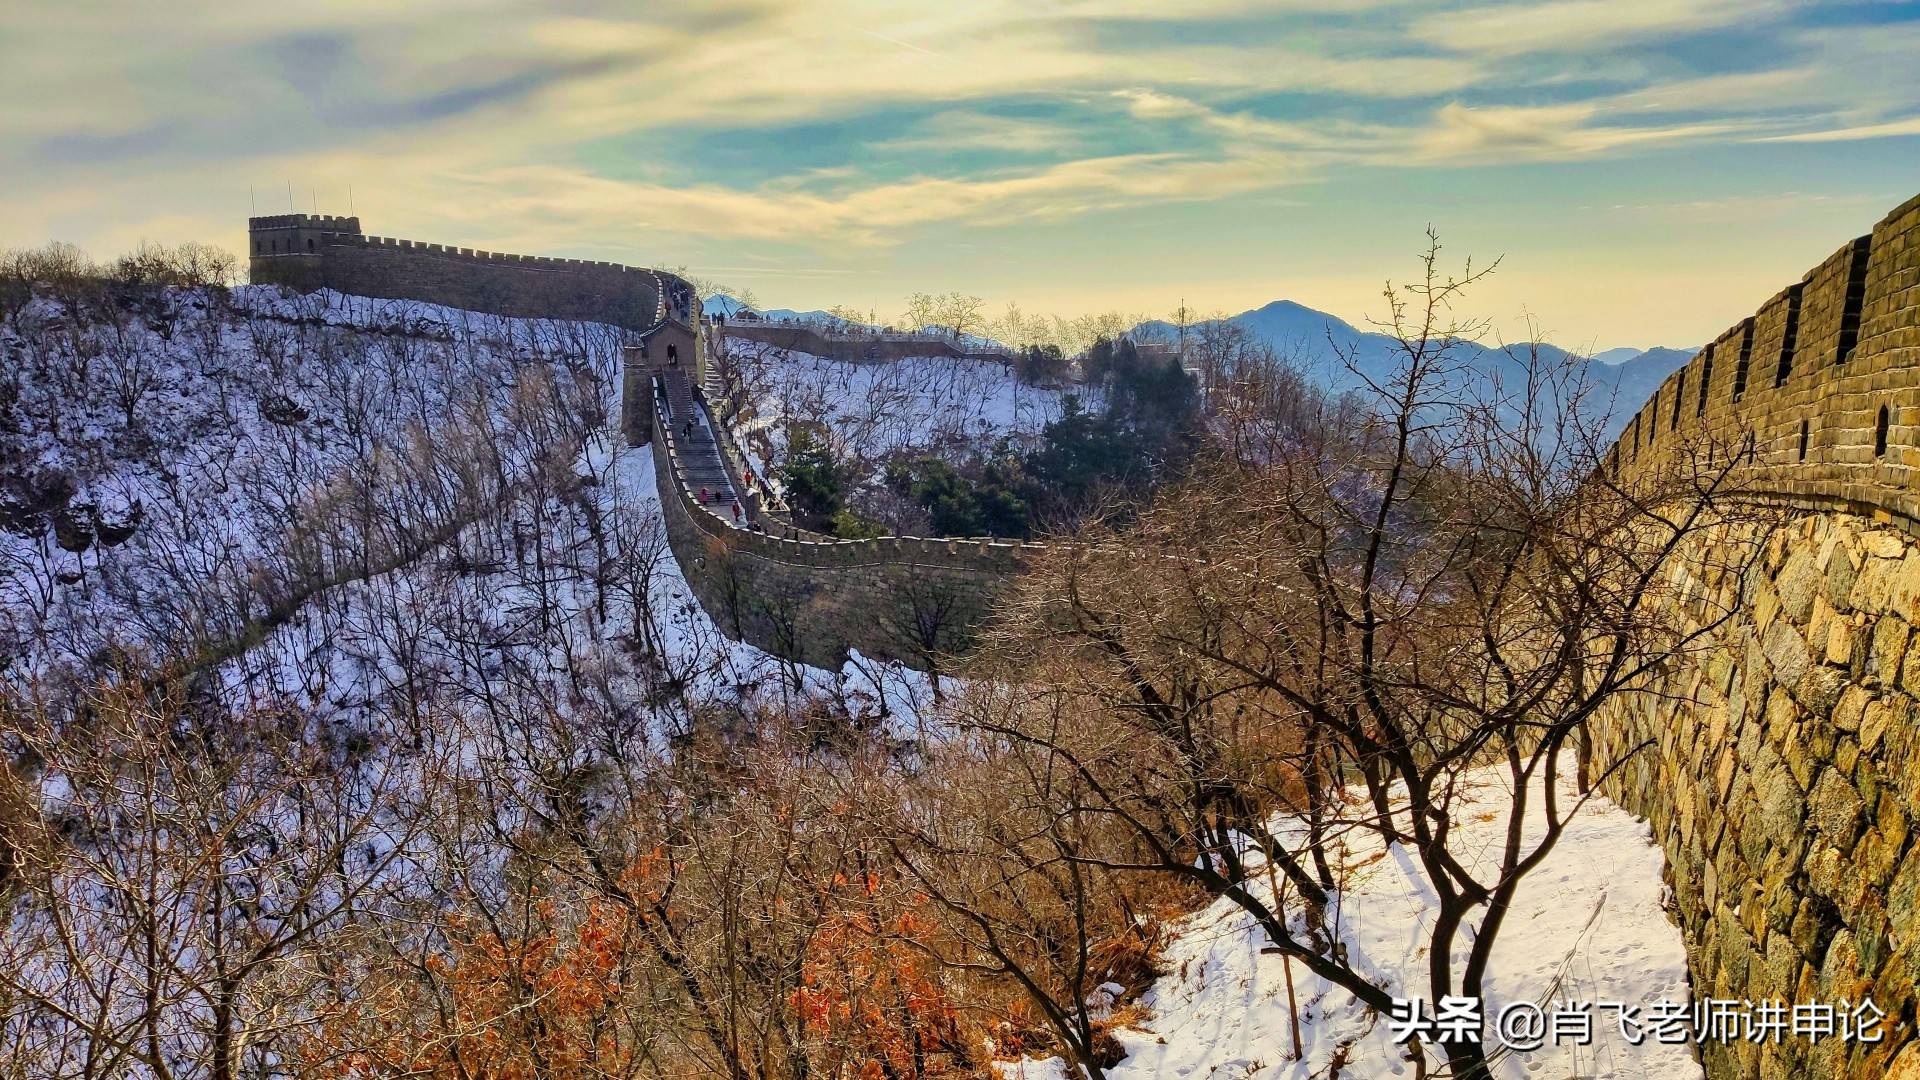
(1890, 129)
(1583, 25)
(1335, 139)
(1740, 209)
(878, 215)
(1455, 134)
(963, 130)
(1463, 135)
(677, 133)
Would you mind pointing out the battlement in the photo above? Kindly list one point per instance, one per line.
(856, 346)
(320, 251)
(1822, 382)
(531, 262)
(321, 222)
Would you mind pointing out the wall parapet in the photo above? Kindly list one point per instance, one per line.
(1779, 766)
(307, 252)
(915, 600)
(1823, 381)
(857, 348)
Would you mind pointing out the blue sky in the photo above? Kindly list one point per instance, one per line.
(1649, 172)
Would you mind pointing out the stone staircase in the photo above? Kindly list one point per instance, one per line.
(714, 389)
(701, 466)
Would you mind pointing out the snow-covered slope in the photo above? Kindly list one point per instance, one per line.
(1588, 925)
(348, 503)
(947, 407)
(183, 464)
(911, 404)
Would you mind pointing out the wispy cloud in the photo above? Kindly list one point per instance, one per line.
(963, 130)
(874, 215)
(813, 132)
(1463, 135)
(1584, 25)
(1888, 130)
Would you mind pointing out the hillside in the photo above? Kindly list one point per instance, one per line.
(272, 484)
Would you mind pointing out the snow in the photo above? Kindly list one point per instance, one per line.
(226, 491)
(1589, 921)
(918, 404)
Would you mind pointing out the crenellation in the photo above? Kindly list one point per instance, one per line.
(1818, 412)
(311, 252)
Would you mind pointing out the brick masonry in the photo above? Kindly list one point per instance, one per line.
(901, 598)
(1784, 775)
(309, 252)
(855, 348)
(1866, 296)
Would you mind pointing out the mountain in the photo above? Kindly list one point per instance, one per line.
(722, 304)
(1323, 346)
(1340, 357)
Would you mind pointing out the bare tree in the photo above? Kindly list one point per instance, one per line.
(187, 876)
(1441, 584)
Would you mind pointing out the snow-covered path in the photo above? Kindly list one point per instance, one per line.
(1588, 921)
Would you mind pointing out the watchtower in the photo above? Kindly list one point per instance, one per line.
(286, 248)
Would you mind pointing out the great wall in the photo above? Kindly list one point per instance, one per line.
(795, 594)
(1783, 774)
(1783, 779)
(858, 346)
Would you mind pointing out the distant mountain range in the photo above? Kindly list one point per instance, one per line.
(1621, 379)
(722, 304)
(1323, 346)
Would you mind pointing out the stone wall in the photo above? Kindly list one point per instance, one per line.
(1783, 782)
(1783, 778)
(313, 252)
(1847, 337)
(813, 600)
(854, 348)
(900, 598)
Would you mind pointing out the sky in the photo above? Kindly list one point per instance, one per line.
(1647, 171)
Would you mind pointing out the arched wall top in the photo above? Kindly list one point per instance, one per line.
(1829, 351)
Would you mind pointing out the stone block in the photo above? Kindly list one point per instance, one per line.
(1786, 653)
(1906, 1063)
(1833, 807)
(1883, 544)
(1840, 577)
(1904, 594)
(1799, 582)
(1888, 649)
(1910, 670)
(1840, 638)
(1819, 689)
